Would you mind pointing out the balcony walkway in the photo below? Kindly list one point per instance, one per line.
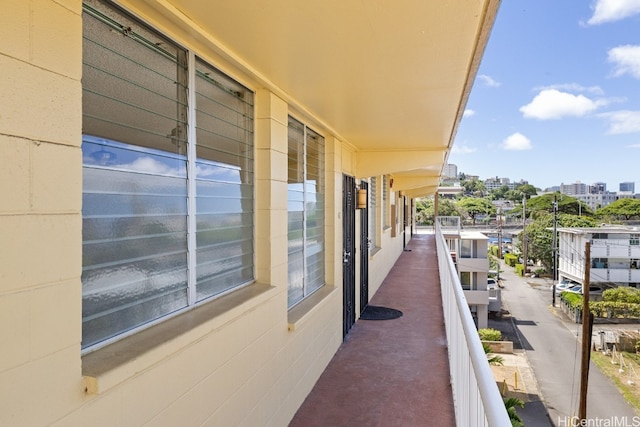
(391, 372)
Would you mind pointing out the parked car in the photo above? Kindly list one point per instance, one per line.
(595, 289)
(492, 283)
(563, 286)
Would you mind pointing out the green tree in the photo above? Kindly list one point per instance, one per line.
(566, 204)
(474, 206)
(540, 235)
(513, 195)
(527, 189)
(623, 208)
(425, 209)
(473, 187)
(499, 193)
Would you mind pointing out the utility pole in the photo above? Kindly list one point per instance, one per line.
(554, 250)
(499, 218)
(524, 232)
(587, 324)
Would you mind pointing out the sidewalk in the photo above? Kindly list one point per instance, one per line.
(515, 378)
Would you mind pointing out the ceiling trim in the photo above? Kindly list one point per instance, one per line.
(375, 163)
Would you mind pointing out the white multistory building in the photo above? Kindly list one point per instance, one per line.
(614, 258)
(597, 200)
(450, 171)
(575, 189)
(469, 252)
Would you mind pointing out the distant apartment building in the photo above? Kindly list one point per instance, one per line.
(627, 187)
(496, 183)
(596, 201)
(450, 171)
(598, 187)
(468, 177)
(595, 195)
(615, 255)
(575, 189)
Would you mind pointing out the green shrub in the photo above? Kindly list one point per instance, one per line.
(622, 294)
(572, 299)
(510, 259)
(520, 269)
(493, 359)
(614, 309)
(489, 334)
(493, 250)
(539, 271)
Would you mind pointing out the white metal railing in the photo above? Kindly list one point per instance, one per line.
(476, 396)
(448, 223)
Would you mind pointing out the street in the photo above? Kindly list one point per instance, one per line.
(552, 347)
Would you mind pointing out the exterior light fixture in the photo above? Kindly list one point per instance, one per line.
(362, 199)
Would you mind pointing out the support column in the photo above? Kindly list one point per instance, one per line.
(271, 189)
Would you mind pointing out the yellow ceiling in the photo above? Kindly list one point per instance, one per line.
(384, 76)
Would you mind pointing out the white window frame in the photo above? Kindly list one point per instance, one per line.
(191, 181)
(373, 214)
(306, 289)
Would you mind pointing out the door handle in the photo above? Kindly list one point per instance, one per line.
(345, 257)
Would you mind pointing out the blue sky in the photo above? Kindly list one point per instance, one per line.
(557, 96)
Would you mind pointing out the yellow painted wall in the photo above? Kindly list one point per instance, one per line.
(245, 365)
(40, 220)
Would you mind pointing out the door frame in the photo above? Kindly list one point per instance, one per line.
(364, 250)
(348, 253)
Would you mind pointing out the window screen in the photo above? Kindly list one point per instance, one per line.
(305, 211)
(373, 227)
(138, 203)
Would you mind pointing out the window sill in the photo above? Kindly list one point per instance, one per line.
(374, 251)
(111, 365)
(297, 314)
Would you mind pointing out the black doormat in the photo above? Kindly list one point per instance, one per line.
(374, 312)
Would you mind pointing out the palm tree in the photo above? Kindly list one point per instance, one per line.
(493, 359)
(511, 404)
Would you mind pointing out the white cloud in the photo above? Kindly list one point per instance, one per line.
(552, 104)
(634, 146)
(517, 142)
(153, 166)
(488, 81)
(623, 122)
(626, 60)
(463, 149)
(613, 10)
(468, 113)
(574, 87)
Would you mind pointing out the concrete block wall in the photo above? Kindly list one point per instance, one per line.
(40, 212)
(244, 367)
(250, 370)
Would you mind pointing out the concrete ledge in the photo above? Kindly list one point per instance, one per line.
(113, 364)
(505, 347)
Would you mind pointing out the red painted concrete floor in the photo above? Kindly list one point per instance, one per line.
(391, 372)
